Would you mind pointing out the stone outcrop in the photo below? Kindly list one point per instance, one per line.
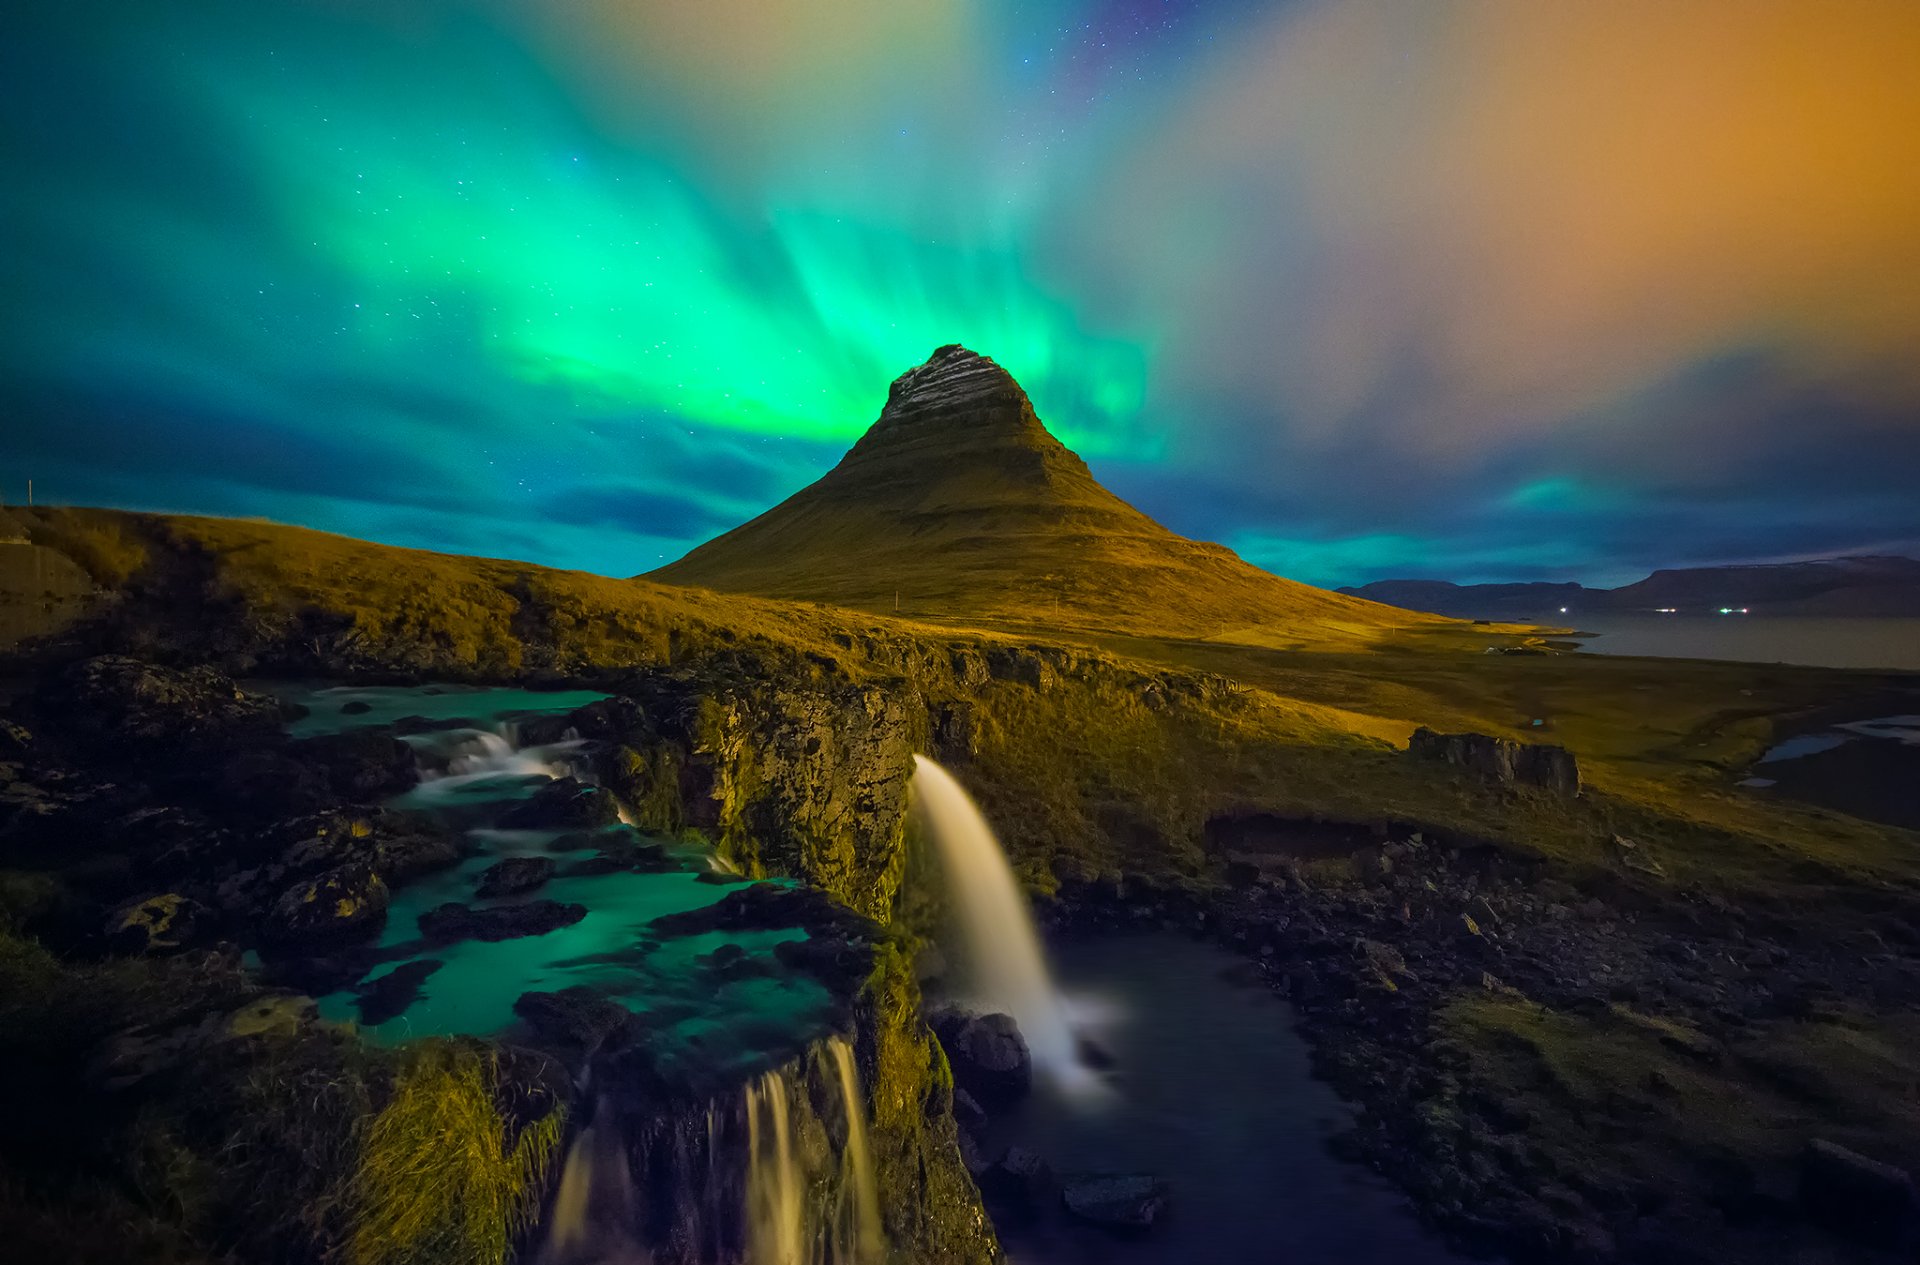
(810, 783)
(454, 921)
(989, 1056)
(1500, 760)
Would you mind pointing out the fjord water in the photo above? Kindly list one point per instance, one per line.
(1210, 1091)
(1005, 969)
(1811, 641)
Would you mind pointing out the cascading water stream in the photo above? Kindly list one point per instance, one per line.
(454, 762)
(596, 1206)
(860, 1228)
(1009, 972)
(774, 1212)
(801, 1211)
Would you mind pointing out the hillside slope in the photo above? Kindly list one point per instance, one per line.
(958, 504)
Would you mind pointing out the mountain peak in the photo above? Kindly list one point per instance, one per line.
(954, 393)
(958, 503)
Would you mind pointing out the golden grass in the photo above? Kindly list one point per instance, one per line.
(1615, 1093)
(437, 1179)
(1305, 731)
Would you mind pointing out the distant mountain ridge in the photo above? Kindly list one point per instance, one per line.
(1863, 585)
(958, 503)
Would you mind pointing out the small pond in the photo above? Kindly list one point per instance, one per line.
(1210, 1090)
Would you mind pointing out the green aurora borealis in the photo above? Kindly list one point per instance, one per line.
(586, 283)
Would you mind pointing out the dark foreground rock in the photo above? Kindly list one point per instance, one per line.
(454, 921)
(334, 907)
(575, 1020)
(1129, 1203)
(165, 923)
(989, 1056)
(564, 804)
(116, 704)
(389, 996)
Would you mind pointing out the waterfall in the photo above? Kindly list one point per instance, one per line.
(859, 1195)
(454, 763)
(1003, 951)
(596, 1208)
(774, 1212)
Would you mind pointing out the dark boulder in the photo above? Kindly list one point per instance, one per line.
(265, 782)
(761, 907)
(360, 765)
(576, 1019)
(164, 923)
(339, 905)
(1859, 1197)
(989, 1056)
(114, 703)
(564, 804)
(1128, 1203)
(1501, 761)
(840, 962)
(389, 996)
(453, 921)
(513, 877)
(1022, 1177)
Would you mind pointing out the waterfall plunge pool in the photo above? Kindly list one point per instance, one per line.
(1211, 1091)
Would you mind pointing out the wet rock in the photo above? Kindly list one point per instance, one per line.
(1499, 760)
(1129, 1203)
(838, 961)
(513, 877)
(360, 765)
(454, 921)
(593, 866)
(134, 1055)
(989, 1056)
(1021, 1175)
(761, 907)
(576, 1019)
(389, 996)
(563, 804)
(1854, 1195)
(338, 905)
(731, 962)
(158, 924)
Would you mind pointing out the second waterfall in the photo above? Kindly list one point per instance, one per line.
(1006, 969)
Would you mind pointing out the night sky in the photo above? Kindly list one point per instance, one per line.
(1480, 291)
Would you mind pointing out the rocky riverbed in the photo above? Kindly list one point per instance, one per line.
(1521, 1049)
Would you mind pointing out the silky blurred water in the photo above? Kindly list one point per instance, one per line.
(1211, 1091)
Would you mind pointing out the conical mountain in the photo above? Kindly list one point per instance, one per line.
(958, 504)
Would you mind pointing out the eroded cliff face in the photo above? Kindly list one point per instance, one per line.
(804, 781)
